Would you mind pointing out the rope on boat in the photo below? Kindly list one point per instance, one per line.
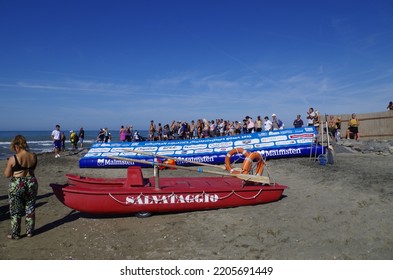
(115, 199)
(247, 198)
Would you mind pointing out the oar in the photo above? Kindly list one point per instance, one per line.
(245, 177)
(176, 159)
(185, 160)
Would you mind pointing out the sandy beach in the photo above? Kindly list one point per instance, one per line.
(340, 211)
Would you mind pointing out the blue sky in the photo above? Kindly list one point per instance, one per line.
(111, 63)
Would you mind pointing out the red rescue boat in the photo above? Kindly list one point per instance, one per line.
(143, 197)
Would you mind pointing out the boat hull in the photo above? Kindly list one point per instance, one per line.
(172, 195)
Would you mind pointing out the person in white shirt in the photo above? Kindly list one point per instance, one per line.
(267, 125)
(250, 125)
(56, 137)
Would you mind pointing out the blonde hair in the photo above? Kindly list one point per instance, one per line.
(19, 141)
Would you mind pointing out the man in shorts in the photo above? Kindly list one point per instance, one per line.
(56, 137)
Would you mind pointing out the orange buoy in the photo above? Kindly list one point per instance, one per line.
(253, 164)
(228, 159)
(171, 162)
(168, 162)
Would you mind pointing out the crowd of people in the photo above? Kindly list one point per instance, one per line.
(204, 128)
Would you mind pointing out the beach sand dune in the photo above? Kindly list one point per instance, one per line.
(339, 211)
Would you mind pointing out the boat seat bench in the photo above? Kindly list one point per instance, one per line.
(134, 177)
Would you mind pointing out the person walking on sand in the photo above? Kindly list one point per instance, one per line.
(63, 139)
(23, 187)
(56, 138)
(74, 138)
(81, 136)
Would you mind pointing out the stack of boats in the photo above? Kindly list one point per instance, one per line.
(294, 142)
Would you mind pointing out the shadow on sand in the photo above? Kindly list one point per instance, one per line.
(70, 217)
(5, 209)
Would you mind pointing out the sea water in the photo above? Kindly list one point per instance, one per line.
(41, 142)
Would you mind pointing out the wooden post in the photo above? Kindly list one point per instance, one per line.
(156, 174)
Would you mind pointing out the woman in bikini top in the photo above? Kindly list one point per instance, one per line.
(23, 163)
(17, 167)
(23, 187)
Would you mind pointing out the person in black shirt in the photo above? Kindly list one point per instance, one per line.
(298, 122)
